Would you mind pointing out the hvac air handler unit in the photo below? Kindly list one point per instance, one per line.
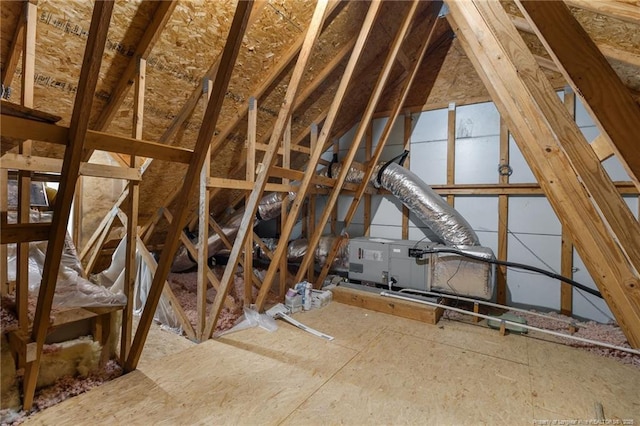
(424, 266)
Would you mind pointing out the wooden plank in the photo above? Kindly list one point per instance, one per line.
(24, 232)
(251, 206)
(311, 214)
(503, 217)
(202, 258)
(451, 149)
(566, 248)
(227, 183)
(607, 50)
(9, 69)
(72, 158)
(587, 71)
(209, 122)
(396, 307)
(30, 11)
(334, 210)
(602, 147)
(408, 128)
(250, 175)
(286, 163)
(4, 278)
(22, 128)
(54, 165)
(427, 25)
(570, 174)
(148, 258)
(148, 40)
(627, 12)
(77, 213)
(132, 214)
(368, 138)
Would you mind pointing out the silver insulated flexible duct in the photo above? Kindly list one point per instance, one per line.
(448, 226)
(268, 208)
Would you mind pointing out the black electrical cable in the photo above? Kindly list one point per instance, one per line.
(401, 157)
(520, 266)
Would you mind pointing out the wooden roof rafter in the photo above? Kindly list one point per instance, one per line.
(312, 34)
(71, 165)
(429, 24)
(207, 129)
(9, 70)
(627, 12)
(577, 187)
(587, 71)
(334, 109)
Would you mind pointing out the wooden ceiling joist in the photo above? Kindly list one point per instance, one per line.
(72, 158)
(587, 71)
(246, 224)
(207, 129)
(22, 128)
(577, 187)
(324, 137)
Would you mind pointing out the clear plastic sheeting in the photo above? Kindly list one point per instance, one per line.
(251, 318)
(72, 289)
(113, 277)
(269, 207)
(448, 226)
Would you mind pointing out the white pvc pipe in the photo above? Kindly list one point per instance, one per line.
(528, 327)
(483, 302)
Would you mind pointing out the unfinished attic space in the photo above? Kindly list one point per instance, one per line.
(320, 212)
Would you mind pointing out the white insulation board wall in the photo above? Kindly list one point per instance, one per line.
(534, 230)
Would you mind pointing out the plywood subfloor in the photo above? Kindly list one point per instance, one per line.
(379, 370)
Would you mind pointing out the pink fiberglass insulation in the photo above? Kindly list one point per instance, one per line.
(64, 388)
(606, 333)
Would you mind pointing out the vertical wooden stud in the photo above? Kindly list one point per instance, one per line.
(566, 252)
(250, 175)
(408, 121)
(451, 149)
(334, 210)
(367, 197)
(311, 216)
(503, 214)
(286, 163)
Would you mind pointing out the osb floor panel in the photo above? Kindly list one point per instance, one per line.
(379, 370)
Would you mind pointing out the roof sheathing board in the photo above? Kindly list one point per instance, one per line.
(9, 14)
(265, 43)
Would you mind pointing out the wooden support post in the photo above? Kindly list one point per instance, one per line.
(451, 149)
(30, 12)
(77, 213)
(428, 25)
(203, 235)
(4, 277)
(250, 176)
(503, 215)
(616, 114)
(230, 52)
(72, 159)
(334, 210)
(286, 164)
(311, 213)
(132, 215)
(252, 205)
(476, 309)
(408, 128)
(368, 138)
(358, 137)
(599, 221)
(566, 251)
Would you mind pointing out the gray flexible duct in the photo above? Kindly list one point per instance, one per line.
(448, 226)
(268, 208)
